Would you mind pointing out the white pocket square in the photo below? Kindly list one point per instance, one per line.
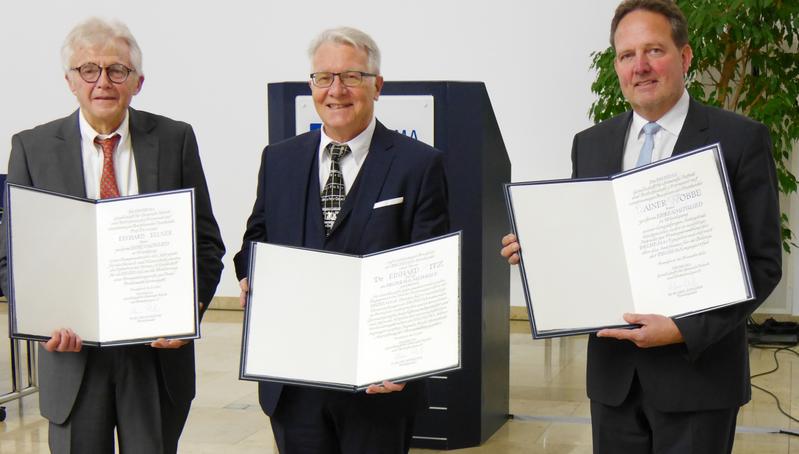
(388, 202)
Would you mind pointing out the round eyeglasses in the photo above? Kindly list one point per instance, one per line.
(90, 72)
(348, 78)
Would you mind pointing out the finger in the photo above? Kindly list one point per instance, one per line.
(244, 285)
(512, 256)
(508, 239)
(52, 343)
(66, 340)
(169, 343)
(176, 343)
(158, 343)
(72, 341)
(384, 388)
(49, 345)
(509, 250)
(75, 342)
(392, 387)
(622, 334)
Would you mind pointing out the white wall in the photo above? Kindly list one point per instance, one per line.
(208, 63)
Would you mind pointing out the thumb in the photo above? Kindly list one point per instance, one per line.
(635, 319)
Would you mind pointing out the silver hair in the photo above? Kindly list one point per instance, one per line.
(353, 37)
(96, 32)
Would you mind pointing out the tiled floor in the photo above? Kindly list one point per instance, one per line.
(546, 386)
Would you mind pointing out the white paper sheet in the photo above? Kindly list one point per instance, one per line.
(344, 322)
(660, 239)
(115, 271)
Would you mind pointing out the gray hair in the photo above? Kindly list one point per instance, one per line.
(352, 37)
(96, 32)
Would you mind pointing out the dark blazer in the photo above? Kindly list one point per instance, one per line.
(166, 155)
(711, 369)
(287, 211)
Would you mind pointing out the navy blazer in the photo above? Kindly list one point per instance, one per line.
(166, 155)
(711, 369)
(287, 210)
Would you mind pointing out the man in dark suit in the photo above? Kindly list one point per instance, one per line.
(352, 187)
(144, 391)
(675, 385)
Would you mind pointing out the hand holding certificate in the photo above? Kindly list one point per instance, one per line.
(114, 271)
(346, 322)
(660, 239)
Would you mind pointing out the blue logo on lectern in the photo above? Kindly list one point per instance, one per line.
(412, 135)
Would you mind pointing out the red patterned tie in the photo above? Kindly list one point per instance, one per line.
(108, 180)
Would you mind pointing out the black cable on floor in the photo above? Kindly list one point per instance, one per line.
(776, 368)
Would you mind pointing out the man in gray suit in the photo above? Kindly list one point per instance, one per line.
(107, 149)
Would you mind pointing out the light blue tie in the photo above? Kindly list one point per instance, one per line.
(650, 129)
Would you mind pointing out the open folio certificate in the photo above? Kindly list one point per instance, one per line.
(330, 320)
(661, 239)
(115, 271)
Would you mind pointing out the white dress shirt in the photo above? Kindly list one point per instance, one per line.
(92, 154)
(665, 138)
(350, 163)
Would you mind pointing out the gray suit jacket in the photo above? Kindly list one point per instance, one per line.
(166, 154)
(711, 369)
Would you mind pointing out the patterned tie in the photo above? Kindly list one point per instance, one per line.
(108, 180)
(650, 129)
(333, 193)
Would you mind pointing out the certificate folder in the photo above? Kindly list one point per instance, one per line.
(115, 271)
(661, 238)
(337, 321)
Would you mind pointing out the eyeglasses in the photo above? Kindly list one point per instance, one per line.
(90, 72)
(348, 78)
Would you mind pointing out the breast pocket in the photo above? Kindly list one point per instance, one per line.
(386, 208)
(387, 221)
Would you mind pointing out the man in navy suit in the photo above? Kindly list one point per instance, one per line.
(675, 385)
(143, 392)
(353, 187)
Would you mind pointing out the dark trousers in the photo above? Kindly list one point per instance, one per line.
(635, 427)
(314, 421)
(121, 390)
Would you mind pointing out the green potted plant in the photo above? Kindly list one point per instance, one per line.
(745, 60)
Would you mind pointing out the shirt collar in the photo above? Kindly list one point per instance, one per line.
(88, 133)
(359, 145)
(671, 121)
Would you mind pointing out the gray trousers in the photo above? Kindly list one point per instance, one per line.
(122, 390)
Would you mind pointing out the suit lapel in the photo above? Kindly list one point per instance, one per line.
(70, 156)
(693, 135)
(367, 186)
(617, 139)
(145, 151)
(694, 132)
(302, 195)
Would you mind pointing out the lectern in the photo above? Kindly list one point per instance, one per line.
(467, 406)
